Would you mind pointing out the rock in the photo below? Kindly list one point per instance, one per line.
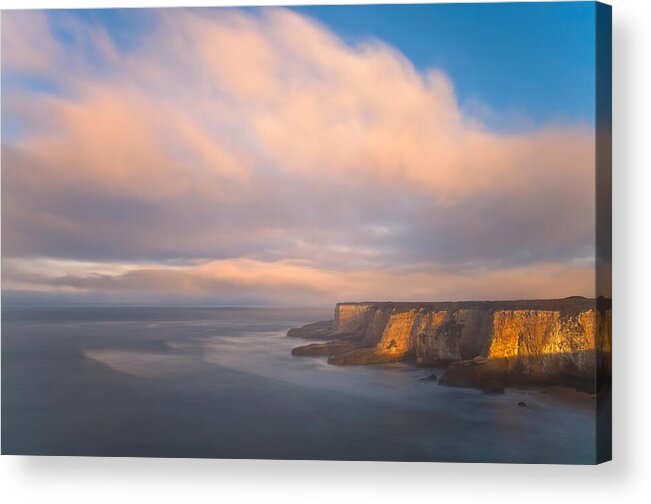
(329, 348)
(478, 373)
(543, 345)
(487, 344)
(522, 403)
(431, 377)
(447, 336)
(316, 330)
(351, 318)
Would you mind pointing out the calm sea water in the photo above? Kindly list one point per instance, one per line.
(221, 382)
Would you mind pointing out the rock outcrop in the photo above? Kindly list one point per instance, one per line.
(331, 348)
(484, 344)
(316, 330)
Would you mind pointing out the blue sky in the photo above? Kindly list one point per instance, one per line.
(526, 61)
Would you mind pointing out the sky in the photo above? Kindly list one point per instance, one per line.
(308, 155)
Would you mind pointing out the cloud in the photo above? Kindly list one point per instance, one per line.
(27, 43)
(256, 139)
(294, 282)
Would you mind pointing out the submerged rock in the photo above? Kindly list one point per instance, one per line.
(431, 377)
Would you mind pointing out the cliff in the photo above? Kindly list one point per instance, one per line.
(485, 344)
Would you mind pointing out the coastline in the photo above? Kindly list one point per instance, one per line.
(489, 345)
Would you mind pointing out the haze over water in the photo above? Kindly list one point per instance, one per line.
(221, 382)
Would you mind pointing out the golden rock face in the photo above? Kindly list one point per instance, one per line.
(535, 332)
(522, 345)
(349, 317)
(398, 335)
(441, 333)
(544, 342)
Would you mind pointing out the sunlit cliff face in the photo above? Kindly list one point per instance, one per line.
(257, 158)
(544, 342)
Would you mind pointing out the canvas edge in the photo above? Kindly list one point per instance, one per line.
(603, 229)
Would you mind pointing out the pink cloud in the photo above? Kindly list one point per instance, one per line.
(242, 136)
(295, 282)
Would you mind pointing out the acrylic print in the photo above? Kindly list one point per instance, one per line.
(324, 232)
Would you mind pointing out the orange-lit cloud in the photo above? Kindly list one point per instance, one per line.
(293, 282)
(282, 159)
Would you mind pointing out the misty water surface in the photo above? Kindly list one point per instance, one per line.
(221, 382)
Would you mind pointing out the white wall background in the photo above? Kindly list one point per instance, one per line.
(626, 479)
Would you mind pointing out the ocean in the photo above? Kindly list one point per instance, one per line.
(222, 383)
